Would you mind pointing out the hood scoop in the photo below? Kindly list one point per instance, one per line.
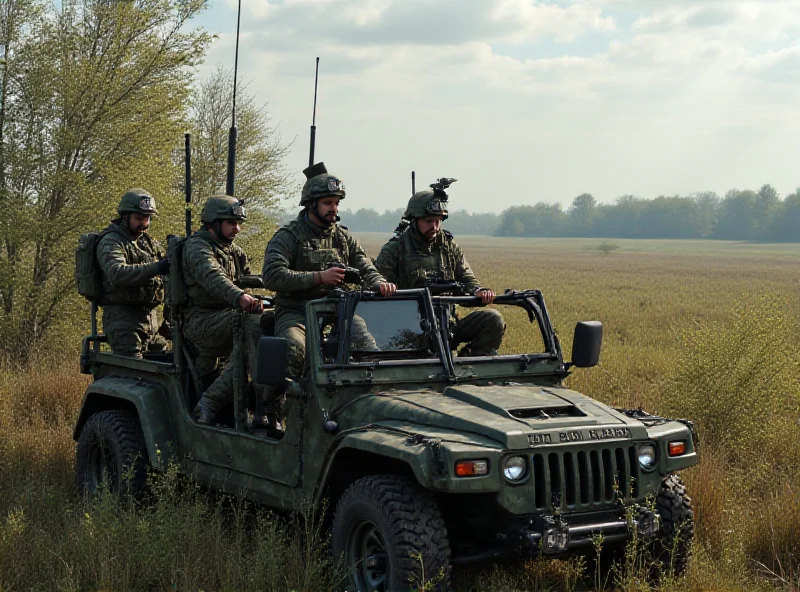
(544, 413)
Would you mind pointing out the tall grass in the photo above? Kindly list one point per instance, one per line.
(687, 335)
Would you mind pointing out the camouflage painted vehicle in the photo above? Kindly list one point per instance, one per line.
(426, 459)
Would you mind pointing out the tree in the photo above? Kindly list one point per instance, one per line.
(768, 205)
(261, 177)
(737, 215)
(581, 214)
(94, 96)
(708, 204)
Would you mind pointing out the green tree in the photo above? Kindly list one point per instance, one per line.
(737, 215)
(261, 177)
(94, 96)
(582, 214)
(768, 206)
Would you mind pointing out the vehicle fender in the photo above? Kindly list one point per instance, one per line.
(147, 399)
(391, 449)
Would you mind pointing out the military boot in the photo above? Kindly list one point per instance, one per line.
(269, 412)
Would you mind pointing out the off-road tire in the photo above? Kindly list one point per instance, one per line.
(410, 524)
(672, 547)
(111, 447)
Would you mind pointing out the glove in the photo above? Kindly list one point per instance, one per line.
(163, 266)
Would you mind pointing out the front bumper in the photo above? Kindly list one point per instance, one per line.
(554, 535)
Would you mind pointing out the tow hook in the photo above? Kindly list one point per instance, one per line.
(648, 523)
(552, 533)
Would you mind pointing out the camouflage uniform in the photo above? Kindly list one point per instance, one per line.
(292, 256)
(210, 269)
(410, 262)
(300, 249)
(132, 283)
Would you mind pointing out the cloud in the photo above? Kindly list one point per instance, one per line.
(417, 22)
(582, 93)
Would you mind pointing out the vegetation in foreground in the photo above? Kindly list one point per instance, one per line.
(707, 336)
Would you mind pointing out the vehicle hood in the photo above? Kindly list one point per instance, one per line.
(514, 416)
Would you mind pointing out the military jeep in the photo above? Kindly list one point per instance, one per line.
(426, 459)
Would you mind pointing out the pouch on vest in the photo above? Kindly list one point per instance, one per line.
(177, 294)
(88, 276)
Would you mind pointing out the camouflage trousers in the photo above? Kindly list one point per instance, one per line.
(291, 325)
(212, 334)
(481, 330)
(132, 330)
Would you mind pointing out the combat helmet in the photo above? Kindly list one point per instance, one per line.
(223, 207)
(137, 201)
(429, 202)
(320, 183)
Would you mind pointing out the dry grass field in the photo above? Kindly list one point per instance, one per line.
(706, 331)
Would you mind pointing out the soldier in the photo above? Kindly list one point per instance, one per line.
(212, 265)
(424, 251)
(296, 264)
(132, 263)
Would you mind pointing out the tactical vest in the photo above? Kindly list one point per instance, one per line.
(313, 253)
(417, 267)
(231, 259)
(141, 251)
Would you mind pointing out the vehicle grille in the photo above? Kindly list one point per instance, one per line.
(584, 478)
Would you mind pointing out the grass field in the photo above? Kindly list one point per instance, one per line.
(696, 329)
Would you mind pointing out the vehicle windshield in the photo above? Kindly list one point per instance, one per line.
(394, 327)
(413, 326)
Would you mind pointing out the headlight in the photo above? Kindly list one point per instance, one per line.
(514, 468)
(647, 456)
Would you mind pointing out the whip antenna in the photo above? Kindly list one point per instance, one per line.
(229, 181)
(313, 117)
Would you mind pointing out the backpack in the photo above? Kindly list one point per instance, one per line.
(88, 276)
(177, 294)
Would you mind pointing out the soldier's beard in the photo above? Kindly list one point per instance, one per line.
(328, 219)
(428, 236)
(137, 230)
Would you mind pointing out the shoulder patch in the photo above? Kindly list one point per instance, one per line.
(342, 226)
(447, 234)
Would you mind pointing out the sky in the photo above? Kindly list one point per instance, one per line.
(525, 101)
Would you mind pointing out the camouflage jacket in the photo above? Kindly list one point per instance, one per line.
(130, 267)
(210, 268)
(299, 249)
(408, 261)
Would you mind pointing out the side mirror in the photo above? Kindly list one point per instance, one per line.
(586, 344)
(271, 362)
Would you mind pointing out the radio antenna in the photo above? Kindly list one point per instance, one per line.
(232, 133)
(313, 117)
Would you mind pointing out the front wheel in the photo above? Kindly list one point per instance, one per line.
(112, 454)
(391, 536)
(672, 547)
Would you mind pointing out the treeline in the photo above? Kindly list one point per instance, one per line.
(740, 215)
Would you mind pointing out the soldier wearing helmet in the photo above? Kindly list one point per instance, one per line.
(212, 264)
(132, 263)
(297, 258)
(423, 251)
